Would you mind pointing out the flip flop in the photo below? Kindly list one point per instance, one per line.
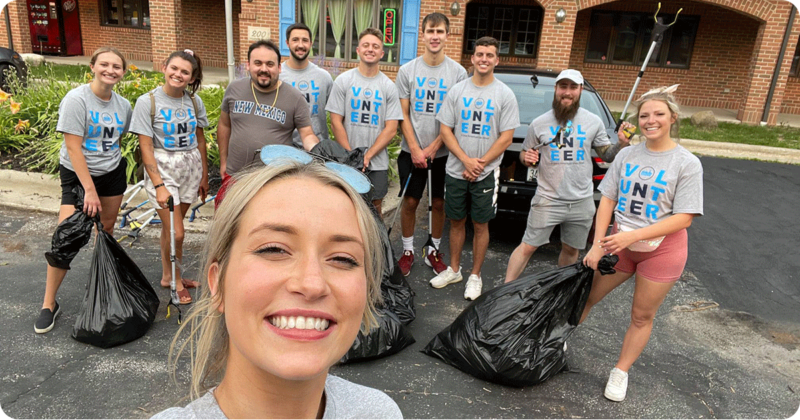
(187, 283)
(184, 296)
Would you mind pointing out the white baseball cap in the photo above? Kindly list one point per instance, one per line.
(571, 74)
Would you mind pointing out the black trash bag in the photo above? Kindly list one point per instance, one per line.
(388, 338)
(332, 150)
(70, 236)
(514, 334)
(120, 305)
(398, 296)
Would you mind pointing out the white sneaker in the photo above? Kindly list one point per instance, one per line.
(447, 277)
(617, 385)
(474, 286)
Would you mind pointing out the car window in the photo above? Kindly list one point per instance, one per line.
(535, 102)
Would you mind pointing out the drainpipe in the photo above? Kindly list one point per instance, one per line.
(8, 29)
(229, 36)
(777, 72)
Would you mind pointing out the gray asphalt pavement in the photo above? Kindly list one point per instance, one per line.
(740, 359)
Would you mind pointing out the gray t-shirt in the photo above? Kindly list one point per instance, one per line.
(426, 87)
(366, 103)
(478, 115)
(650, 186)
(343, 400)
(100, 123)
(315, 85)
(255, 125)
(176, 120)
(565, 174)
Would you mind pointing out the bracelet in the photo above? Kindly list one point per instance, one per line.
(155, 187)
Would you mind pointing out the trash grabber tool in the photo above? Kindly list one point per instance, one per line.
(173, 292)
(136, 228)
(134, 189)
(429, 242)
(400, 206)
(197, 206)
(128, 212)
(655, 39)
(560, 134)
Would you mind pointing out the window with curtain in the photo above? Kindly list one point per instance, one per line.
(517, 28)
(335, 25)
(126, 13)
(624, 38)
(795, 61)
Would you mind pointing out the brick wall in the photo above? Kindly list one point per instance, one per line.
(719, 61)
(20, 31)
(204, 30)
(133, 43)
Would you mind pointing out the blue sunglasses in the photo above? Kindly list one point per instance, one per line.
(277, 152)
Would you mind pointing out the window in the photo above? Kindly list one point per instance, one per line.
(516, 28)
(335, 25)
(127, 13)
(624, 38)
(795, 61)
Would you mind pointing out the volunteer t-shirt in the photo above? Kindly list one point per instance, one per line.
(175, 123)
(343, 400)
(366, 103)
(426, 87)
(565, 174)
(650, 186)
(100, 123)
(315, 85)
(255, 123)
(478, 114)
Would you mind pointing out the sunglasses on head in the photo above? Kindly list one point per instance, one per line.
(278, 152)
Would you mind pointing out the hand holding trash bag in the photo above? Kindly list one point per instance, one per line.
(514, 334)
(71, 235)
(120, 304)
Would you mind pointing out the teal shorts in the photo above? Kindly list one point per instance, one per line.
(476, 198)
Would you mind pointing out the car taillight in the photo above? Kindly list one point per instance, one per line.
(600, 163)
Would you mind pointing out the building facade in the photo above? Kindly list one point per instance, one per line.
(723, 52)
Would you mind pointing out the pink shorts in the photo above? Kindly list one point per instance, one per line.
(664, 265)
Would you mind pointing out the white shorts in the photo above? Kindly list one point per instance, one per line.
(181, 173)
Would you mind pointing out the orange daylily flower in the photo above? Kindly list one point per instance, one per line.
(133, 67)
(4, 96)
(22, 125)
(15, 106)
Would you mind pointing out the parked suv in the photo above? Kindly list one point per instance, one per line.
(11, 61)
(534, 90)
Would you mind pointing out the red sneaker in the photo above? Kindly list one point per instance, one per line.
(434, 260)
(405, 263)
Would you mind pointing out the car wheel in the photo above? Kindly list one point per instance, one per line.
(3, 69)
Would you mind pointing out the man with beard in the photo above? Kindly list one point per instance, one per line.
(565, 193)
(257, 111)
(365, 110)
(313, 82)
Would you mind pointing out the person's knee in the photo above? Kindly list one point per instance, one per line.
(480, 228)
(641, 318)
(569, 251)
(527, 250)
(410, 204)
(438, 204)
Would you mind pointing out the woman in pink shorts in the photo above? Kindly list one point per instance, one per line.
(654, 190)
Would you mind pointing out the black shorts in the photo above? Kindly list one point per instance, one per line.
(107, 185)
(419, 176)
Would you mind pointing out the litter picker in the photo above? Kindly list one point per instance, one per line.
(400, 205)
(197, 206)
(429, 242)
(173, 292)
(125, 214)
(655, 39)
(134, 189)
(137, 227)
(557, 139)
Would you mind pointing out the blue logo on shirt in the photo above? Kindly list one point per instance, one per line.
(477, 123)
(365, 111)
(647, 193)
(103, 132)
(429, 100)
(178, 135)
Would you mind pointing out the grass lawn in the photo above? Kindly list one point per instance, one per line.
(64, 71)
(777, 136)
